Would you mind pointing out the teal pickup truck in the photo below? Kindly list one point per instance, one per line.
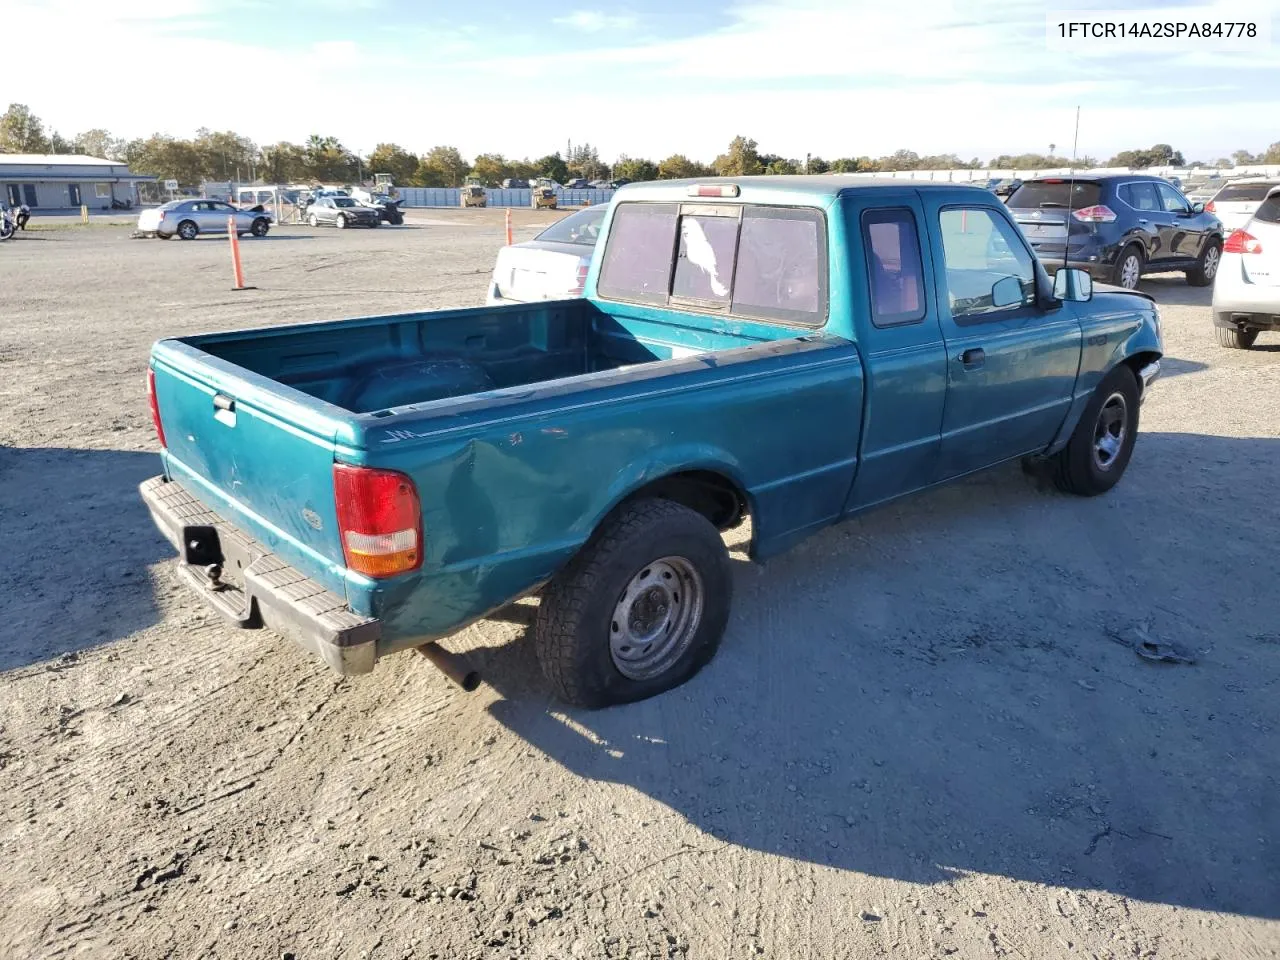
(789, 349)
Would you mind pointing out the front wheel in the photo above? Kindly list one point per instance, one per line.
(1095, 458)
(340, 222)
(1206, 268)
(313, 220)
(639, 610)
(260, 227)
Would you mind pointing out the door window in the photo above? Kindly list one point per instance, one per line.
(1141, 196)
(1173, 201)
(980, 249)
(894, 270)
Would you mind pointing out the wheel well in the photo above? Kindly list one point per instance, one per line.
(711, 494)
(1138, 361)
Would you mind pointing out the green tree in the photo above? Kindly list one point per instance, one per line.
(99, 143)
(441, 167)
(167, 158)
(524, 169)
(584, 161)
(816, 165)
(393, 159)
(633, 168)
(283, 162)
(740, 160)
(553, 166)
(328, 161)
(1158, 156)
(1272, 154)
(491, 169)
(21, 131)
(782, 167)
(845, 165)
(679, 167)
(60, 144)
(1242, 158)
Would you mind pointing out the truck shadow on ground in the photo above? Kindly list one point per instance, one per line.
(77, 542)
(937, 688)
(1172, 289)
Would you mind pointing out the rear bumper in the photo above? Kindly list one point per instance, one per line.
(270, 593)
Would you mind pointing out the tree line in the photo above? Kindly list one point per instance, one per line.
(225, 155)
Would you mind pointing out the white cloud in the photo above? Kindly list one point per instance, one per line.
(595, 21)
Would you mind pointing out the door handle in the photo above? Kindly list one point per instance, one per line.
(973, 357)
(1143, 220)
(224, 409)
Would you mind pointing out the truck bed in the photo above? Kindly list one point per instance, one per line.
(385, 363)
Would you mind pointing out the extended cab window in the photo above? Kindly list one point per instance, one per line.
(894, 270)
(981, 248)
(767, 263)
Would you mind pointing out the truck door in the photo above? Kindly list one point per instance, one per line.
(1011, 364)
(900, 340)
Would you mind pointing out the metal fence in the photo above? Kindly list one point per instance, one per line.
(452, 197)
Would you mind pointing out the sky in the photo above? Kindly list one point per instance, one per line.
(646, 79)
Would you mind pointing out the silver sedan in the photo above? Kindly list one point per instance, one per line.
(190, 218)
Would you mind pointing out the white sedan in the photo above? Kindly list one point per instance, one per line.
(190, 218)
(1246, 291)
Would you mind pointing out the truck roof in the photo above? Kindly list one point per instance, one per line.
(815, 190)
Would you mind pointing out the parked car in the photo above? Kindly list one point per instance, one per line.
(515, 183)
(373, 485)
(342, 212)
(1003, 187)
(551, 266)
(387, 206)
(1235, 202)
(1118, 227)
(188, 219)
(1246, 294)
(577, 183)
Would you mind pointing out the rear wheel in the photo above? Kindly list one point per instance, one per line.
(1234, 338)
(1128, 268)
(639, 610)
(187, 230)
(1095, 458)
(1206, 268)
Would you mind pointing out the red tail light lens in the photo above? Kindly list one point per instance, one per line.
(1098, 213)
(713, 190)
(581, 284)
(155, 406)
(161, 214)
(1210, 208)
(1242, 242)
(379, 518)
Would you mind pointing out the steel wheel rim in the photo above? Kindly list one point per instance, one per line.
(656, 618)
(1129, 272)
(187, 231)
(1211, 258)
(1110, 431)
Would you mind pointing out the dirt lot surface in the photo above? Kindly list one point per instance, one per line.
(921, 737)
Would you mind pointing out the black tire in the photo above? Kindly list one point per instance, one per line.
(187, 230)
(1081, 467)
(1234, 338)
(1206, 268)
(376, 223)
(1121, 274)
(575, 631)
(260, 227)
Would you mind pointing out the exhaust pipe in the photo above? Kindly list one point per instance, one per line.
(452, 665)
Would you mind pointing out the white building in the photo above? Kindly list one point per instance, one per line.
(66, 181)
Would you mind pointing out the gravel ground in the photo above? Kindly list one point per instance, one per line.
(921, 737)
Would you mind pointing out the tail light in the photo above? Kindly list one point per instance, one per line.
(161, 214)
(581, 283)
(1241, 241)
(1210, 208)
(379, 519)
(1098, 213)
(155, 406)
(713, 190)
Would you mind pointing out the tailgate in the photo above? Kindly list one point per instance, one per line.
(253, 454)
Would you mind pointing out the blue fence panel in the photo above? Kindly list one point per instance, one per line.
(452, 197)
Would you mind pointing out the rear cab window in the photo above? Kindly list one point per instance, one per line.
(1269, 210)
(1245, 192)
(761, 262)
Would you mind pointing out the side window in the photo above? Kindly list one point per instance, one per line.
(637, 253)
(781, 270)
(1172, 199)
(704, 260)
(894, 269)
(1140, 196)
(980, 249)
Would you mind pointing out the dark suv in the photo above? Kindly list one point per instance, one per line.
(1118, 227)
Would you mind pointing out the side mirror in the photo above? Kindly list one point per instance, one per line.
(1072, 285)
(1006, 292)
(1197, 208)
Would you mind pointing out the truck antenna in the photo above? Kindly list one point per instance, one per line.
(1071, 192)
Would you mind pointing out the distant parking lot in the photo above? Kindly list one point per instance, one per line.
(924, 734)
